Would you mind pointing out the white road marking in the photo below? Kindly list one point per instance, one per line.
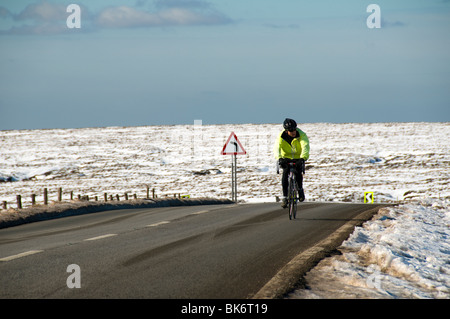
(157, 224)
(101, 237)
(27, 253)
(200, 212)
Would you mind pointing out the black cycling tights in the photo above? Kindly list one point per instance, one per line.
(285, 182)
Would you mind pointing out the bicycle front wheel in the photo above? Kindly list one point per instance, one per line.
(292, 200)
(293, 205)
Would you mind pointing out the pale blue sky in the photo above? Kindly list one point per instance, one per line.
(156, 62)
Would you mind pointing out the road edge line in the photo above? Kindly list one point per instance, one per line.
(24, 254)
(288, 277)
(100, 237)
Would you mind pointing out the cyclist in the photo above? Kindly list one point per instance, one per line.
(292, 144)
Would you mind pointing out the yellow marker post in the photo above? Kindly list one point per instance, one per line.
(368, 197)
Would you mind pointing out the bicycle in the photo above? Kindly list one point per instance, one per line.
(293, 191)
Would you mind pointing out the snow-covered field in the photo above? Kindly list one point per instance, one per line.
(398, 162)
(395, 161)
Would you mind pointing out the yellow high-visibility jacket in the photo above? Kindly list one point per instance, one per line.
(299, 147)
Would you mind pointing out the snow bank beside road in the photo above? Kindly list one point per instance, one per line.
(403, 252)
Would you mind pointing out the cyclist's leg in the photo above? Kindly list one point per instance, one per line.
(285, 184)
(285, 181)
(299, 178)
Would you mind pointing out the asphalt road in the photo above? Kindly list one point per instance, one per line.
(211, 251)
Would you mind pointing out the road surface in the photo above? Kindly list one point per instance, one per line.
(210, 251)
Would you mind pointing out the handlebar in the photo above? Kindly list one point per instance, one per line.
(292, 162)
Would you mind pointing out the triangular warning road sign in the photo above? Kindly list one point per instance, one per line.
(233, 146)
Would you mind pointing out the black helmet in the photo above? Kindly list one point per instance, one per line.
(289, 124)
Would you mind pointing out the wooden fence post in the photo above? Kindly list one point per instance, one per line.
(60, 194)
(105, 195)
(5, 204)
(19, 201)
(45, 196)
(33, 199)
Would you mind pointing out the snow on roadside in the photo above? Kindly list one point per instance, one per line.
(403, 252)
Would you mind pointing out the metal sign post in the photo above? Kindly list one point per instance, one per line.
(233, 178)
(233, 147)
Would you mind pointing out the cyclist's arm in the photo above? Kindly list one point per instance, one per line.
(277, 149)
(304, 142)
